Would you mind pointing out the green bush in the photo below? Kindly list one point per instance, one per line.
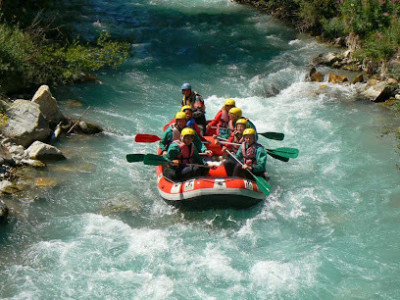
(28, 59)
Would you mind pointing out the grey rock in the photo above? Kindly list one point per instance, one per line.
(26, 123)
(379, 92)
(3, 212)
(42, 151)
(89, 128)
(48, 105)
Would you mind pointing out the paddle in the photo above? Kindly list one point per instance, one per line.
(269, 135)
(146, 138)
(155, 160)
(283, 153)
(135, 157)
(263, 185)
(273, 135)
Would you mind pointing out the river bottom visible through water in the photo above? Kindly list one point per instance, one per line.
(328, 230)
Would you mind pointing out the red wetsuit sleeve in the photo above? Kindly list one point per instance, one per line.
(217, 118)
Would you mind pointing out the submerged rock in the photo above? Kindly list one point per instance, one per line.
(3, 212)
(26, 123)
(45, 181)
(42, 151)
(89, 128)
(74, 103)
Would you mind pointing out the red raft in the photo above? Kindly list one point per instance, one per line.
(216, 190)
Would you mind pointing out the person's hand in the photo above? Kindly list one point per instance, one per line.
(209, 153)
(223, 149)
(208, 126)
(164, 152)
(175, 162)
(246, 167)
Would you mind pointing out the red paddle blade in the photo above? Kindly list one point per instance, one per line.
(146, 138)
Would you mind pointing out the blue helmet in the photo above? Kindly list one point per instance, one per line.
(186, 86)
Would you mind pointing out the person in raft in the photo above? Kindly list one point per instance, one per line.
(236, 136)
(252, 155)
(235, 113)
(190, 122)
(196, 101)
(184, 159)
(173, 132)
(221, 119)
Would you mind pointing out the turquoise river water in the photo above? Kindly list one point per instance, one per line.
(329, 229)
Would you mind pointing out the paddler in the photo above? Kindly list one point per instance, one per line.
(196, 101)
(252, 155)
(185, 161)
(235, 114)
(236, 137)
(173, 132)
(221, 119)
(190, 122)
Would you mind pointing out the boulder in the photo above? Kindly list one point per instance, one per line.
(379, 92)
(48, 105)
(3, 212)
(7, 187)
(327, 59)
(42, 151)
(334, 78)
(89, 128)
(317, 77)
(358, 78)
(26, 123)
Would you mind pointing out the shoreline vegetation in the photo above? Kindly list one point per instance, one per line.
(37, 50)
(366, 34)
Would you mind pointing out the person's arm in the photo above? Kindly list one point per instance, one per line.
(198, 144)
(239, 154)
(166, 139)
(197, 129)
(173, 152)
(197, 158)
(216, 119)
(261, 156)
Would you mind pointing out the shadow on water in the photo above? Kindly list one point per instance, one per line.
(211, 219)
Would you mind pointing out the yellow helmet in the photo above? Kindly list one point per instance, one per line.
(186, 107)
(230, 101)
(236, 111)
(249, 131)
(187, 131)
(180, 116)
(241, 121)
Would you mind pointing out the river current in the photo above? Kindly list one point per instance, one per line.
(328, 230)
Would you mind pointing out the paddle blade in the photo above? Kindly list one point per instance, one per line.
(278, 157)
(273, 135)
(290, 152)
(135, 157)
(263, 185)
(146, 138)
(154, 160)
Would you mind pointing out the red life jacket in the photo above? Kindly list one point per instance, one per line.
(237, 140)
(223, 123)
(185, 156)
(249, 154)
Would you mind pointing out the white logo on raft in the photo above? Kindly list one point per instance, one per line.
(189, 185)
(248, 185)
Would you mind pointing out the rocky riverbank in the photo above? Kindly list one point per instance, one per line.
(29, 127)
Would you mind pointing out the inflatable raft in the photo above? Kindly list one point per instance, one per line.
(216, 190)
